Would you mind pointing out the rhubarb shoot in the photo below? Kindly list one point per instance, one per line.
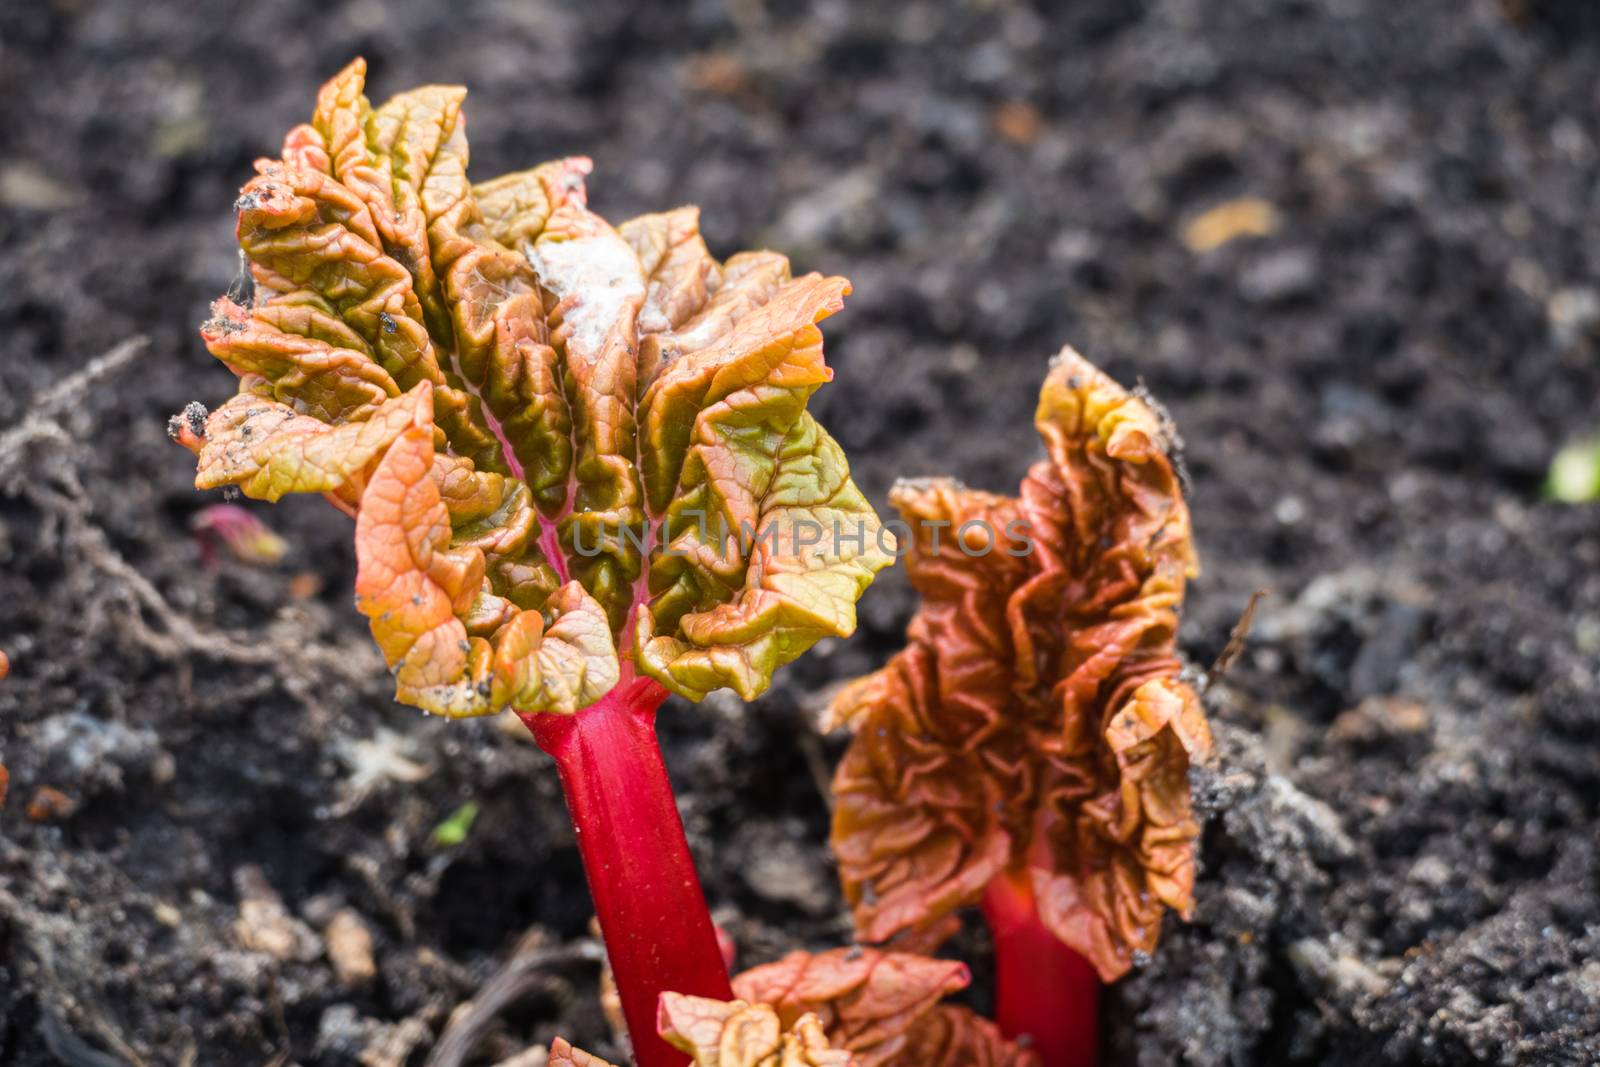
(1030, 747)
(848, 1007)
(884, 1007)
(578, 458)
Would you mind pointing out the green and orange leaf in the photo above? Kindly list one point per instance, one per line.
(813, 548)
(849, 1007)
(552, 431)
(421, 590)
(1036, 724)
(268, 450)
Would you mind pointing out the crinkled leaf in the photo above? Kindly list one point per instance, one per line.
(314, 241)
(313, 361)
(563, 1054)
(678, 270)
(417, 588)
(815, 548)
(868, 1001)
(736, 1034)
(855, 1007)
(589, 391)
(1036, 721)
(267, 449)
(915, 830)
(953, 1036)
(933, 794)
(597, 285)
(1115, 861)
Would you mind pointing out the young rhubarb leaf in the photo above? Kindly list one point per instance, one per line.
(1035, 727)
(867, 999)
(247, 538)
(268, 449)
(882, 1006)
(568, 445)
(564, 1055)
(735, 1034)
(456, 647)
(849, 1007)
(953, 1036)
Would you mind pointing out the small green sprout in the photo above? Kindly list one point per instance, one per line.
(455, 829)
(1575, 473)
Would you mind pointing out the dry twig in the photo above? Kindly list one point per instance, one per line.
(1236, 639)
(522, 973)
(114, 593)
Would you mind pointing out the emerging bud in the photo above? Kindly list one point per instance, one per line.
(247, 538)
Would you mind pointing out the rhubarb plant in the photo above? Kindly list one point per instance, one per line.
(852, 1007)
(578, 458)
(1029, 749)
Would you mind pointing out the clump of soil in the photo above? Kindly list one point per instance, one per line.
(1400, 865)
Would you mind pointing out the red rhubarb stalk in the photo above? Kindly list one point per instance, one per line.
(1046, 995)
(652, 910)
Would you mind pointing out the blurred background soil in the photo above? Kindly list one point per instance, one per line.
(1350, 244)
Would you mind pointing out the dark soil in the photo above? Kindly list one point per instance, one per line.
(1401, 864)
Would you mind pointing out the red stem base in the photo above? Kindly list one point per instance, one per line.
(652, 911)
(1046, 995)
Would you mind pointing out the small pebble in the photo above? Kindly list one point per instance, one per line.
(265, 925)
(350, 949)
(1280, 277)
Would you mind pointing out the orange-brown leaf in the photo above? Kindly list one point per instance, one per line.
(933, 795)
(1036, 720)
(1115, 861)
(736, 1034)
(916, 830)
(953, 1036)
(267, 449)
(563, 1054)
(867, 1000)
(417, 588)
